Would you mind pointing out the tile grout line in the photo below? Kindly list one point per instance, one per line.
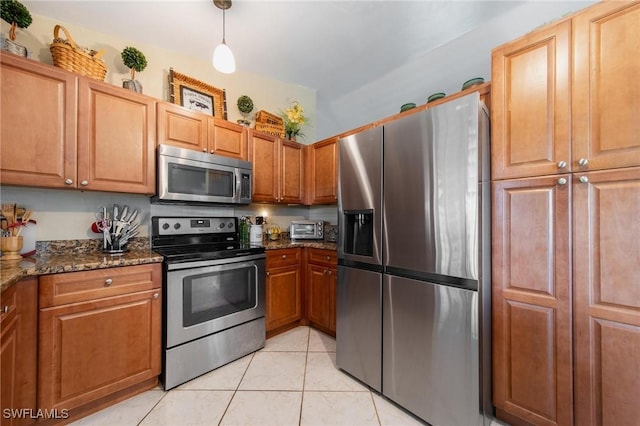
(164, 393)
(236, 389)
(304, 376)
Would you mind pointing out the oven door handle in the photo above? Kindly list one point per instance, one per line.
(230, 262)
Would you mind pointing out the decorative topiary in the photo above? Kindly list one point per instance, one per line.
(134, 60)
(245, 105)
(16, 14)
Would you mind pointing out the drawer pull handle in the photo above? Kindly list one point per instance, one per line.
(108, 282)
(156, 295)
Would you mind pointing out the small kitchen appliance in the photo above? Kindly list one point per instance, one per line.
(214, 295)
(306, 230)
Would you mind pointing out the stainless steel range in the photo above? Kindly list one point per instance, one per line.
(214, 290)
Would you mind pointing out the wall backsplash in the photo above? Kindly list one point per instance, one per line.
(68, 214)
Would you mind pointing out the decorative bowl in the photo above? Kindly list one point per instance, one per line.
(407, 107)
(472, 82)
(435, 97)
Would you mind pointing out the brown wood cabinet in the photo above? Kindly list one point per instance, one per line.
(565, 311)
(65, 131)
(18, 350)
(321, 284)
(531, 111)
(284, 289)
(532, 299)
(278, 169)
(116, 139)
(184, 128)
(39, 122)
(100, 336)
(606, 209)
(322, 172)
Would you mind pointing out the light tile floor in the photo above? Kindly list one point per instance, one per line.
(293, 380)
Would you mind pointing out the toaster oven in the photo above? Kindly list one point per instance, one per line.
(306, 230)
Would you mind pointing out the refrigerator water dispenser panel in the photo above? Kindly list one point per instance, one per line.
(358, 232)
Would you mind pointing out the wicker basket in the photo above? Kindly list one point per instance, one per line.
(269, 123)
(71, 57)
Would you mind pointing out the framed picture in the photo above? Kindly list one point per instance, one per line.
(196, 95)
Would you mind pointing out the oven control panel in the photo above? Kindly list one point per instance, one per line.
(193, 225)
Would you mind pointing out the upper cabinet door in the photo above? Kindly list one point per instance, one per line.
(38, 117)
(323, 171)
(116, 139)
(291, 172)
(531, 105)
(606, 97)
(266, 174)
(178, 126)
(228, 139)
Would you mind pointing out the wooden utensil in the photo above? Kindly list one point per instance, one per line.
(24, 220)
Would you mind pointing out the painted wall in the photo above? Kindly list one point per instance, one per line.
(68, 214)
(267, 94)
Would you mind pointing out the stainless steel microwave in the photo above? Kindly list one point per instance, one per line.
(306, 230)
(191, 177)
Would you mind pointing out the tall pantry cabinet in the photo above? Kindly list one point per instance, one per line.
(566, 233)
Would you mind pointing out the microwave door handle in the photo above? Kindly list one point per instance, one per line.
(237, 185)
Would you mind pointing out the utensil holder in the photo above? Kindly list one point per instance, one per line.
(11, 247)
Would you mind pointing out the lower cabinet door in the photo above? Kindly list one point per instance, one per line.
(283, 299)
(318, 295)
(92, 349)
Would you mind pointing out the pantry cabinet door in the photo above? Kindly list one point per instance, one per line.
(606, 261)
(531, 105)
(38, 131)
(606, 99)
(116, 139)
(531, 300)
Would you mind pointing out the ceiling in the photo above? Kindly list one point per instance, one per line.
(334, 47)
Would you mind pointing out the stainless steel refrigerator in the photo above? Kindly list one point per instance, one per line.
(413, 314)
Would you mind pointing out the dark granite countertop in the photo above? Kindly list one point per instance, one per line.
(85, 255)
(287, 243)
(73, 255)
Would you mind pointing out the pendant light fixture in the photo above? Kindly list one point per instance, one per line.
(223, 59)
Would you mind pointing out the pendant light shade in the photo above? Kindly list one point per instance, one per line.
(223, 59)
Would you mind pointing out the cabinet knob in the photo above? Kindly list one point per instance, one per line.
(583, 162)
(330, 272)
(284, 256)
(204, 149)
(108, 282)
(84, 183)
(156, 295)
(583, 179)
(211, 151)
(562, 164)
(562, 181)
(68, 181)
(267, 273)
(5, 309)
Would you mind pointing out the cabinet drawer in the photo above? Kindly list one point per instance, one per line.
(71, 287)
(283, 257)
(322, 257)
